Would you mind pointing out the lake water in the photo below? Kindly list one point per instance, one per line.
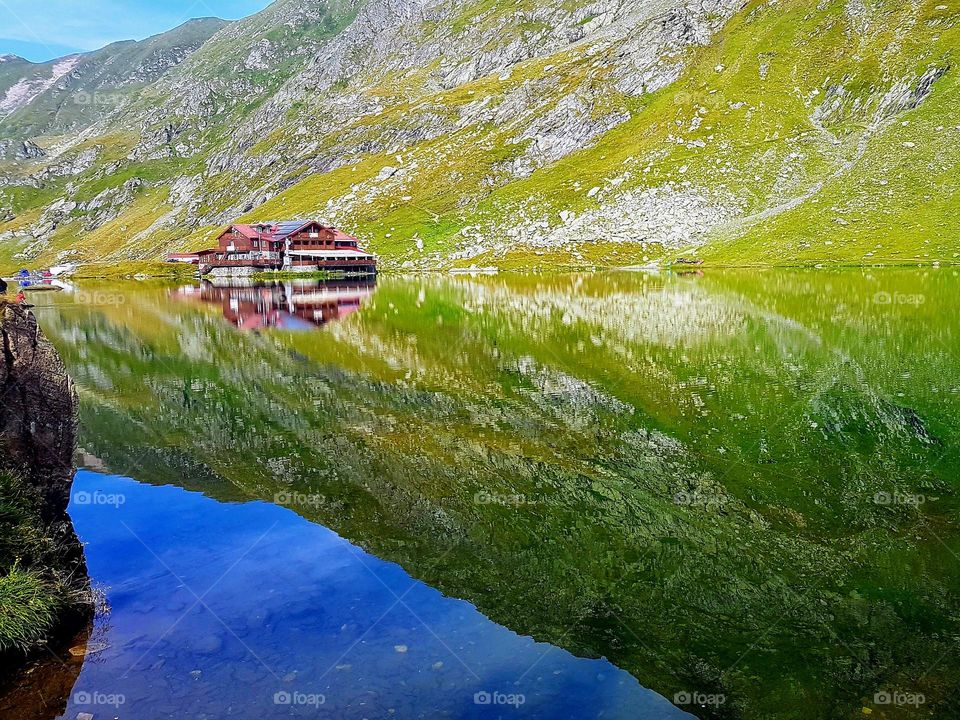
(529, 496)
(250, 611)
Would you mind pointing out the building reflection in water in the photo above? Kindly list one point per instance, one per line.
(292, 305)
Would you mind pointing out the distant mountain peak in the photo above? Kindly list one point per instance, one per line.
(9, 57)
(204, 19)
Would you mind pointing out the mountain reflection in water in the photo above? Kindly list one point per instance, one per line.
(741, 485)
(249, 611)
(293, 305)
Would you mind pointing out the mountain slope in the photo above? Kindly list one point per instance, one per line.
(72, 93)
(530, 133)
(196, 105)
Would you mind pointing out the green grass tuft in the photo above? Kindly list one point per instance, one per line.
(32, 594)
(29, 606)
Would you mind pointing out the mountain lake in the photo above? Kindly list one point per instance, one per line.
(713, 494)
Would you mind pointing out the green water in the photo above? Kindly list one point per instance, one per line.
(741, 483)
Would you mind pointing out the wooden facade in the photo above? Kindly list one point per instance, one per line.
(288, 245)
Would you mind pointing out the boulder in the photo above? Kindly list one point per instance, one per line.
(38, 412)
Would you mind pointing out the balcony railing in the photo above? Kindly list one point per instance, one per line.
(358, 262)
(276, 262)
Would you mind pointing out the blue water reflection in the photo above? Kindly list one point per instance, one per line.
(250, 611)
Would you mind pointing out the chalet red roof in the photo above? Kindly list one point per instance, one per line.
(246, 230)
(280, 230)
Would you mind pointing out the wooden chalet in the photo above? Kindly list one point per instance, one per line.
(293, 245)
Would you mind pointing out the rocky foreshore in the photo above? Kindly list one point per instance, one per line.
(44, 589)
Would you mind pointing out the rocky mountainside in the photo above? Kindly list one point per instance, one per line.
(519, 134)
(71, 94)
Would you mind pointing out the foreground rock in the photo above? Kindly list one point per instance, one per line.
(37, 434)
(37, 413)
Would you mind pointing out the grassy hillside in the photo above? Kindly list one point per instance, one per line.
(793, 133)
(866, 181)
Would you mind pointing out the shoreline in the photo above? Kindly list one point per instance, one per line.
(150, 270)
(45, 598)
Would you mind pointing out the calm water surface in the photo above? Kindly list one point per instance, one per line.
(738, 488)
(250, 611)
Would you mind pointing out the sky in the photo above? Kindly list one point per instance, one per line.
(41, 30)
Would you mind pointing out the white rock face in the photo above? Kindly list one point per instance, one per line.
(70, 164)
(27, 89)
(259, 57)
(667, 216)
